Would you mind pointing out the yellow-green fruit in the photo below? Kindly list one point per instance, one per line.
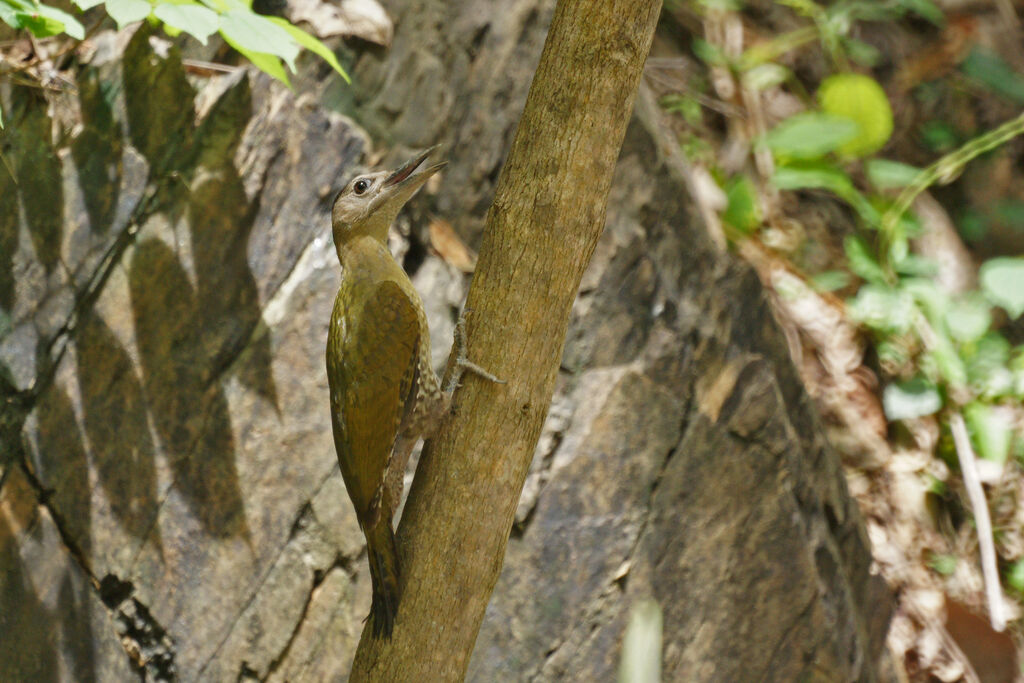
(862, 100)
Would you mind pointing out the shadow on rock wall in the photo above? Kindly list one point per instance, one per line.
(129, 301)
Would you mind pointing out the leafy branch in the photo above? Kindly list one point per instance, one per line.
(270, 43)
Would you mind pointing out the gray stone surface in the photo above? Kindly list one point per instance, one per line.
(54, 625)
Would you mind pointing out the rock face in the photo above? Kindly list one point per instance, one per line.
(170, 505)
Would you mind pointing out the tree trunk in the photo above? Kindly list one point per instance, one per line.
(547, 216)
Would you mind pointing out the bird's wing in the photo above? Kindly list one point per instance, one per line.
(379, 366)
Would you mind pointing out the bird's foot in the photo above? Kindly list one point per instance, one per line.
(462, 363)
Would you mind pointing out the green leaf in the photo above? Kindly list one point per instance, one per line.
(968, 319)
(1002, 281)
(87, 4)
(824, 175)
(972, 225)
(765, 76)
(40, 26)
(888, 175)
(860, 99)
(939, 136)
(256, 33)
(926, 9)
(1016, 366)
(707, 52)
(899, 248)
(312, 44)
(190, 17)
(943, 564)
(847, 12)
(9, 14)
(910, 399)
(990, 429)
(933, 300)
(882, 308)
(722, 5)
(1015, 576)
(914, 265)
(267, 63)
(71, 25)
(987, 362)
(819, 175)
(943, 357)
(991, 70)
(863, 53)
(687, 107)
(1009, 211)
(831, 280)
(125, 12)
(810, 135)
(936, 486)
(741, 211)
(862, 262)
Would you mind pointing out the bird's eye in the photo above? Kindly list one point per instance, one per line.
(361, 186)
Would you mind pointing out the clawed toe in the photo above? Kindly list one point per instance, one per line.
(462, 363)
(467, 364)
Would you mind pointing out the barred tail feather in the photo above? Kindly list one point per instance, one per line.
(383, 556)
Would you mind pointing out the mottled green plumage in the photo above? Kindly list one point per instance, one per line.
(371, 363)
(382, 386)
(384, 392)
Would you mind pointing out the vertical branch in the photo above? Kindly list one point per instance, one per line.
(972, 481)
(547, 216)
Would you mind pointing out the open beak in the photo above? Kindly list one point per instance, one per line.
(406, 173)
(404, 182)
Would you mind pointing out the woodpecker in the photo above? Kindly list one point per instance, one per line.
(384, 392)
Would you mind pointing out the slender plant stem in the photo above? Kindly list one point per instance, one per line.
(969, 468)
(947, 168)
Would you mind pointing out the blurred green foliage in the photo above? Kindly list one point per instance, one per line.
(269, 43)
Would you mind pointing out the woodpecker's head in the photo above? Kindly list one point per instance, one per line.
(369, 203)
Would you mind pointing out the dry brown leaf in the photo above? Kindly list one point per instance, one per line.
(992, 654)
(364, 19)
(450, 247)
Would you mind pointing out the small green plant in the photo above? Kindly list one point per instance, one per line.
(942, 564)
(269, 43)
(945, 347)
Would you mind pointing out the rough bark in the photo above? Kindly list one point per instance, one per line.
(547, 216)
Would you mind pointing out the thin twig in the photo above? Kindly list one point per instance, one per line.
(927, 616)
(969, 467)
(946, 169)
(969, 674)
(211, 66)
